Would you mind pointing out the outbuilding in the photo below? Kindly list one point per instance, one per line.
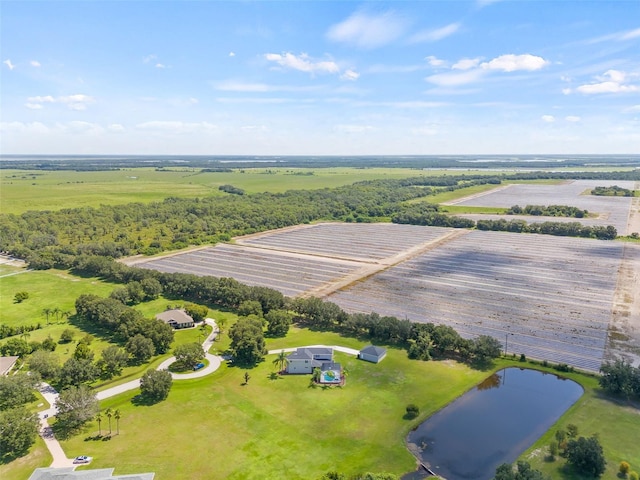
(371, 353)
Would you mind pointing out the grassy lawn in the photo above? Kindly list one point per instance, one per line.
(616, 424)
(279, 428)
(22, 468)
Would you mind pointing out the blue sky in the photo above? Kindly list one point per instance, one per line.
(320, 77)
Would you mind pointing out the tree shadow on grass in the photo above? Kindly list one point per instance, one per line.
(144, 401)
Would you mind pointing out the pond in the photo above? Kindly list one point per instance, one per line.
(492, 424)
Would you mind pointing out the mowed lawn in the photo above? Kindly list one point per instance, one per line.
(47, 289)
(218, 428)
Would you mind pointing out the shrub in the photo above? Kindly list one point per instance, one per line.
(412, 410)
(624, 468)
(66, 336)
(523, 357)
(20, 297)
(634, 476)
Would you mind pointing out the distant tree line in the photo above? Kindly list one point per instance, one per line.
(564, 229)
(47, 239)
(231, 189)
(613, 191)
(548, 211)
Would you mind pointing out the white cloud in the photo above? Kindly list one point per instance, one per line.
(20, 127)
(160, 65)
(116, 128)
(176, 127)
(35, 63)
(548, 118)
(232, 54)
(353, 128)
(630, 35)
(435, 35)
(73, 102)
(469, 70)
(612, 81)
(350, 75)
(455, 79)
(466, 64)
(368, 30)
(379, 68)
(9, 65)
(435, 61)
(512, 63)
(572, 118)
(302, 63)
(149, 58)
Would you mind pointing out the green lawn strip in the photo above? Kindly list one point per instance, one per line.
(279, 428)
(461, 209)
(616, 423)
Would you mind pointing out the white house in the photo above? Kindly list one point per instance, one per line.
(305, 359)
(371, 353)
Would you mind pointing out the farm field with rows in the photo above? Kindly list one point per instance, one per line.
(552, 297)
(610, 210)
(547, 297)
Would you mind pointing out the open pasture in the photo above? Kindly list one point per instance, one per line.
(552, 297)
(610, 210)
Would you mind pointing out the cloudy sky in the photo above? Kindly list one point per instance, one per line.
(320, 77)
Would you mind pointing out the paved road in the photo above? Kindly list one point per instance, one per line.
(350, 351)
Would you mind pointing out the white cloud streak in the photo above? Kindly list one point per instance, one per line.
(9, 65)
(548, 118)
(612, 81)
(436, 34)
(302, 63)
(368, 30)
(35, 63)
(73, 102)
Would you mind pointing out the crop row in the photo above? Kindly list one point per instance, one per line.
(363, 242)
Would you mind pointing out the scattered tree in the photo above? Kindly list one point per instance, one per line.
(45, 363)
(247, 341)
(412, 410)
(197, 312)
(572, 430)
(624, 468)
(281, 361)
(20, 297)
(634, 476)
(99, 420)
(247, 377)
(278, 322)
(76, 406)
(140, 349)
(109, 414)
(117, 416)
(76, 372)
(155, 384)
(67, 336)
(16, 390)
(188, 354)
(113, 360)
(586, 456)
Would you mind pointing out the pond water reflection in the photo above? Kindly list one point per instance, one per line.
(492, 424)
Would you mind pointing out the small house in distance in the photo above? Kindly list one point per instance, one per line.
(7, 363)
(305, 359)
(371, 353)
(176, 318)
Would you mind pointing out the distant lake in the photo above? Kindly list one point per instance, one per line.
(492, 424)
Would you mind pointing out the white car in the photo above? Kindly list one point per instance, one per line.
(82, 459)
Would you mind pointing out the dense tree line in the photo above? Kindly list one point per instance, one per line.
(565, 229)
(548, 211)
(18, 426)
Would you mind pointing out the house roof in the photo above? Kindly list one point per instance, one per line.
(373, 350)
(178, 316)
(330, 366)
(7, 363)
(307, 353)
(68, 473)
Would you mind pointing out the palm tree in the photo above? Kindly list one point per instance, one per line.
(221, 323)
(56, 313)
(281, 360)
(109, 414)
(116, 415)
(99, 420)
(46, 312)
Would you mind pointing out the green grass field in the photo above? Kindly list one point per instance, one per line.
(53, 190)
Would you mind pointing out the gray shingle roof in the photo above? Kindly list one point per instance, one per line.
(373, 350)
